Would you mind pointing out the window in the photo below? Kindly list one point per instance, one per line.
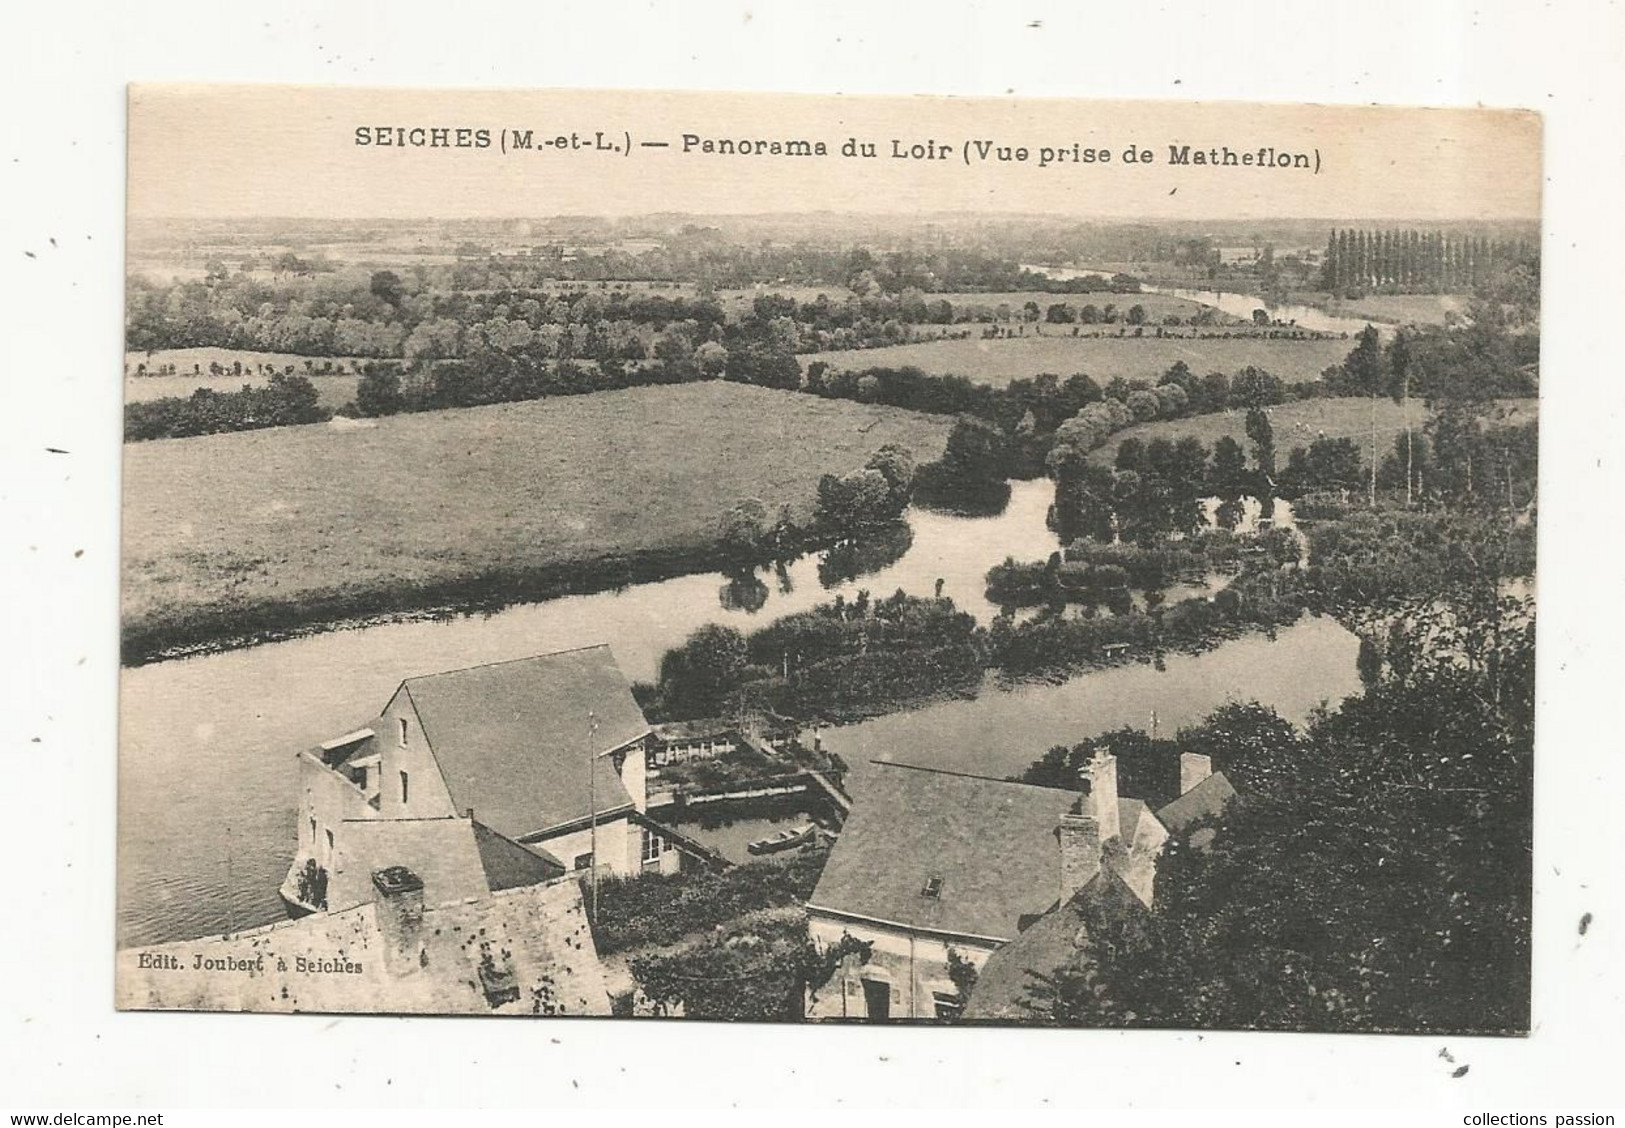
(313, 832)
(405, 785)
(653, 846)
(584, 861)
(403, 732)
(933, 888)
(330, 842)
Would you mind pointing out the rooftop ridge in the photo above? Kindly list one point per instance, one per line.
(505, 662)
(973, 775)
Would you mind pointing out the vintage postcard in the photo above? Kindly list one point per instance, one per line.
(829, 559)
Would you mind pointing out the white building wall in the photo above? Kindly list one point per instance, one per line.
(620, 846)
(427, 797)
(914, 964)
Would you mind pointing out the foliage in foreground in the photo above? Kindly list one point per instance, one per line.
(756, 973)
(1374, 876)
(664, 908)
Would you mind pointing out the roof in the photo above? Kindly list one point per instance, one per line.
(508, 865)
(512, 738)
(537, 938)
(992, 842)
(1063, 938)
(673, 732)
(1128, 818)
(453, 857)
(1207, 799)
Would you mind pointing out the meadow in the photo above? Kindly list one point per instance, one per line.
(998, 362)
(1392, 309)
(192, 372)
(264, 530)
(1300, 423)
(1157, 306)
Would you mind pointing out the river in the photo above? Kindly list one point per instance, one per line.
(1236, 305)
(207, 784)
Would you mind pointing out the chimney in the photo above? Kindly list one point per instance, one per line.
(1079, 836)
(399, 908)
(1193, 769)
(1100, 791)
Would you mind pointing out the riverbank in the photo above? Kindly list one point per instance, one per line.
(209, 630)
(237, 538)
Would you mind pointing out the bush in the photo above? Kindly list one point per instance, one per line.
(663, 908)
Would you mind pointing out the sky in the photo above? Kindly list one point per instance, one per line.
(291, 151)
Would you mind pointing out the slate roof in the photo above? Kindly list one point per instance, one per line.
(1063, 938)
(455, 859)
(511, 738)
(1128, 818)
(1208, 798)
(991, 842)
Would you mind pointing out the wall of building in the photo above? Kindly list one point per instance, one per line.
(620, 846)
(427, 797)
(326, 799)
(634, 773)
(914, 965)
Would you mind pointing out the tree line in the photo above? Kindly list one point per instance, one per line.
(1417, 262)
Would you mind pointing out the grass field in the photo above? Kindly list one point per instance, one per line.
(220, 527)
(1392, 309)
(1157, 306)
(1146, 358)
(1299, 424)
(336, 390)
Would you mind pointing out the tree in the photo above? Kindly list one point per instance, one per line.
(711, 359)
(386, 286)
(1381, 883)
(378, 392)
(1144, 404)
(697, 678)
(1262, 434)
(743, 532)
(1253, 387)
(853, 503)
(977, 452)
(1364, 371)
(896, 465)
(1399, 389)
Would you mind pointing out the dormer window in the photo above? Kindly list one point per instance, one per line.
(933, 888)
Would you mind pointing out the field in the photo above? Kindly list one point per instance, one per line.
(1145, 358)
(192, 372)
(1300, 423)
(1392, 309)
(367, 518)
(1157, 306)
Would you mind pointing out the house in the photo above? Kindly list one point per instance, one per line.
(1012, 983)
(482, 779)
(931, 863)
(522, 951)
(1110, 909)
(936, 867)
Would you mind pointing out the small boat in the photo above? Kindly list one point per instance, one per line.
(783, 840)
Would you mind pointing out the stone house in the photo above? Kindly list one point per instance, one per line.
(934, 866)
(482, 779)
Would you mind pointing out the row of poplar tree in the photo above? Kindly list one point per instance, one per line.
(1419, 261)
